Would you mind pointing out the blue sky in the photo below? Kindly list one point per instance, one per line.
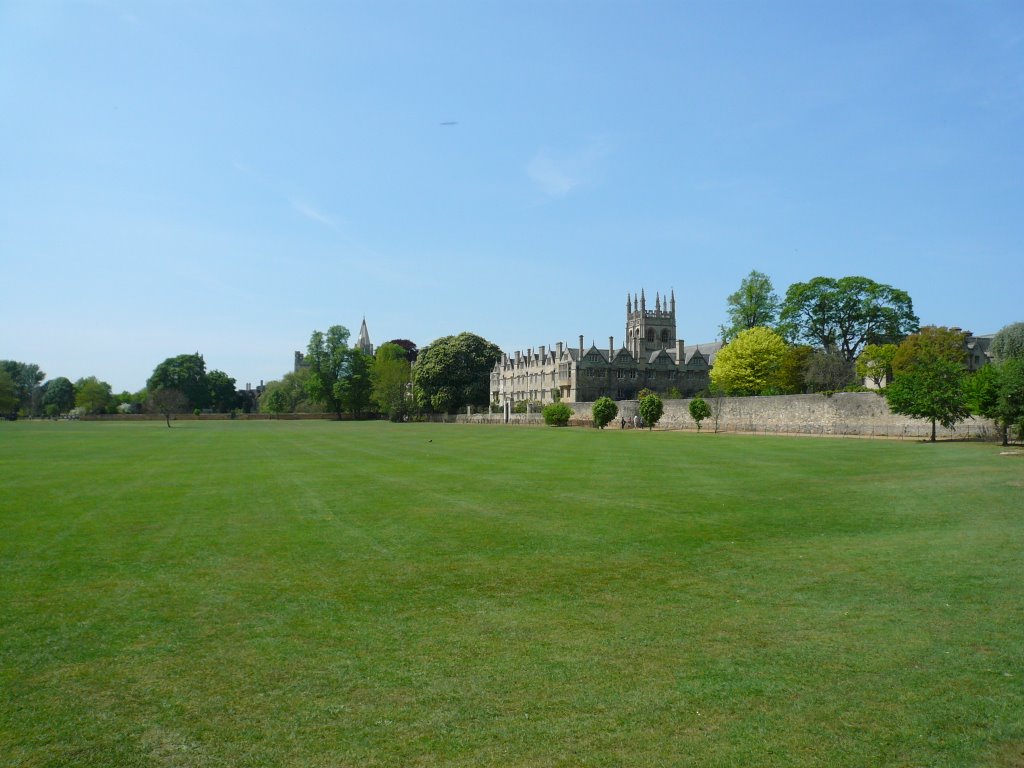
(229, 176)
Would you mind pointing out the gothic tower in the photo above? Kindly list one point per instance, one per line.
(649, 330)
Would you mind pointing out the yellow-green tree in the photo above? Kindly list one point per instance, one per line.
(875, 363)
(751, 364)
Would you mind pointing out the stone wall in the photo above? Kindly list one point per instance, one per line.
(844, 413)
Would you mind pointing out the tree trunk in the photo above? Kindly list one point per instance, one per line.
(168, 417)
(933, 430)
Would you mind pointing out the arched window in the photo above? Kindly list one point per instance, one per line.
(664, 336)
(650, 334)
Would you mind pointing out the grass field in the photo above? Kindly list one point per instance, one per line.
(369, 594)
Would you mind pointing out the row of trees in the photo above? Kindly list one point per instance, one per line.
(838, 316)
(930, 381)
(24, 391)
(450, 374)
(178, 384)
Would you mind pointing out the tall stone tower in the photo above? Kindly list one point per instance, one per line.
(649, 330)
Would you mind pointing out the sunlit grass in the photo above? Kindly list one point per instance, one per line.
(334, 594)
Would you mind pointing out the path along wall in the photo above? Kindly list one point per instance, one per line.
(845, 413)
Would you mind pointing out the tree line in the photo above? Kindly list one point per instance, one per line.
(833, 334)
(451, 373)
(178, 384)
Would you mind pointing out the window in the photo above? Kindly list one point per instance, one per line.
(664, 336)
(650, 334)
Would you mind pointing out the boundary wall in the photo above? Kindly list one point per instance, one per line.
(861, 414)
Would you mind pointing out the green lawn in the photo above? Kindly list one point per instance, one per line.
(369, 594)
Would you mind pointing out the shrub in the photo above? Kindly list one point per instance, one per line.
(699, 410)
(604, 410)
(651, 409)
(557, 414)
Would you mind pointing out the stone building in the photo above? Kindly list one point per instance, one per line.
(652, 357)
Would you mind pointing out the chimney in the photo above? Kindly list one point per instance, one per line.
(611, 348)
(581, 345)
(519, 357)
(559, 348)
(543, 357)
(680, 359)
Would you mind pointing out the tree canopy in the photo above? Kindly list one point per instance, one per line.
(875, 363)
(8, 394)
(328, 358)
(391, 376)
(58, 396)
(186, 374)
(93, 395)
(929, 343)
(932, 390)
(25, 379)
(751, 364)
(1008, 344)
(846, 314)
(929, 378)
(223, 393)
(754, 304)
(454, 371)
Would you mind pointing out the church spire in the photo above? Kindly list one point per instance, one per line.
(363, 342)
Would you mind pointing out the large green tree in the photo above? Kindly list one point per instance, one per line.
(185, 373)
(329, 360)
(58, 396)
(391, 376)
(930, 377)
(997, 392)
(1008, 343)
(223, 393)
(930, 342)
(751, 364)
(846, 314)
(293, 397)
(875, 363)
(93, 395)
(357, 386)
(828, 372)
(754, 304)
(932, 390)
(25, 378)
(454, 372)
(8, 395)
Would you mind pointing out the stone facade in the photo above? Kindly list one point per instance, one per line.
(652, 357)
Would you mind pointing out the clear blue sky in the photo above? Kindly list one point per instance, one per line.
(229, 176)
